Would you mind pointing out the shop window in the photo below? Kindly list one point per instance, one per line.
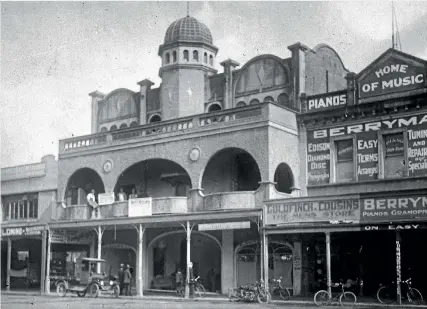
(205, 57)
(186, 57)
(195, 55)
(210, 60)
(394, 155)
(344, 167)
(168, 58)
(174, 56)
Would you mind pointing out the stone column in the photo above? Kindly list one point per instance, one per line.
(48, 254)
(229, 66)
(328, 262)
(227, 261)
(8, 262)
(99, 232)
(140, 264)
(43, 264)
(297, 261)
(195, 202)
(187, 281)
(96, 97)
(266, 258)
(145, 86)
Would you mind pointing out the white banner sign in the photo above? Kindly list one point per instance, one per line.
(140, 207)
(224, 226)
(105, 198)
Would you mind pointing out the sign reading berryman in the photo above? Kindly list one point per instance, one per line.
(313, 210)
(394, 208)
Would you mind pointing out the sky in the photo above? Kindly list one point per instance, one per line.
(53, 54)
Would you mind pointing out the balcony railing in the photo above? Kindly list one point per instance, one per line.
(175, 126)
(229, 200)
(160, 205)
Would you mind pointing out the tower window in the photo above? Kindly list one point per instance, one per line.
(174, 56)
(205, 58)
(168, 58)
(186, 55)
(195, 55)
(210, 60)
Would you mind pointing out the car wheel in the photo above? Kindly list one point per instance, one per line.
(61, 289)
(94, 290)
(116, 291)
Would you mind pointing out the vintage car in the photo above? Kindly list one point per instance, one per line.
(86, 280)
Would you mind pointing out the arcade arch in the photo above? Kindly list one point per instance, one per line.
(80, 183)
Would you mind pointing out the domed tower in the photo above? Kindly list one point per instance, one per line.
(188, 56)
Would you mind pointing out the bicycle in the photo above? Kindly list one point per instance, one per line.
(345, 298)
(278, 288)
(198, 287)
(387, 294)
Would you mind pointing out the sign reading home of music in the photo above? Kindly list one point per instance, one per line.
(392, 75)
(140, 207)
(299, 211)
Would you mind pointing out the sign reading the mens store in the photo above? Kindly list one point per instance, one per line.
(392, 72)
(313, 210)
(394, 208)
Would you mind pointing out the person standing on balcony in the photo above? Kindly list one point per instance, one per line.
(93, 204)
(133, 194)
(122, 196)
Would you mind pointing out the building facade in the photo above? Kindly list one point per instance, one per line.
(364, 179)
(28, 194)
(202, 152)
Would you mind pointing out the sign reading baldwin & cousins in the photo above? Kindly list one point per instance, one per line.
(325, 209)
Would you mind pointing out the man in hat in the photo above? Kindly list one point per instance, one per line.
(120, 275)
(127, 277)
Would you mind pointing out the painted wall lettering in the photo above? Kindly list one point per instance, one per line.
(367, 155)
(318, 159)
(326, 101)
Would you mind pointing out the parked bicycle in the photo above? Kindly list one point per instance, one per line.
(278, 288)
(249, 293)
(345, 298)
(387, 294)
(199, 289)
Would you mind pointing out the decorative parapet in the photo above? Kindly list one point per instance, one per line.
(23, 171)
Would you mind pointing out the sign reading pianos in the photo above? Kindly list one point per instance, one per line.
(341, 209)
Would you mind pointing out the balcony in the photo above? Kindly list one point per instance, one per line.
(178, 127)
(160, 205)
(229, 200)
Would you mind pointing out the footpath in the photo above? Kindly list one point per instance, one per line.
(362, 302)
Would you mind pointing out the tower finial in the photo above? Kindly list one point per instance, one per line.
(188, 8)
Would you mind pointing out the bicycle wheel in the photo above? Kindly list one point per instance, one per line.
(263, 297)
(232, 295)
(321, 298)
(415, 296)
(284, 294)
(385, 295)
(348, 299)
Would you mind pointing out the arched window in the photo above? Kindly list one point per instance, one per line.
(214, 107)
(195, 55)
(186, 58)
(240, 104)
(284, 178)
(205, 58)
(104, 129)
(123, 126)
(254, 101)
(283, 99)
(168, 58)
(155, 118)
(133, 124)
(174, 56)
(268, 99)
(113, 127)
(210, 60)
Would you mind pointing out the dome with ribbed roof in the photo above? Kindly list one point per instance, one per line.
(188, 29)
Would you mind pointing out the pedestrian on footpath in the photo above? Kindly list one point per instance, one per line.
(126, 280)
(121, 270)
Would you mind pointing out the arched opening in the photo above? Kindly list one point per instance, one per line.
(195, 55)
(214, 107)
(284, 178)
(168, 252)
(205, 57)
(268, 99)
(113, 127)
(80, 184)
(186, 57)
(168, 58)
(133, 124)
(153, 178)
(231, 169)
(115, 254)
(210, 60)
(254, 101)
(155, 118)
(283, 99)
(123, 126)
(240, 104)
(174, 56)
(280, 263)
(104, 129)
